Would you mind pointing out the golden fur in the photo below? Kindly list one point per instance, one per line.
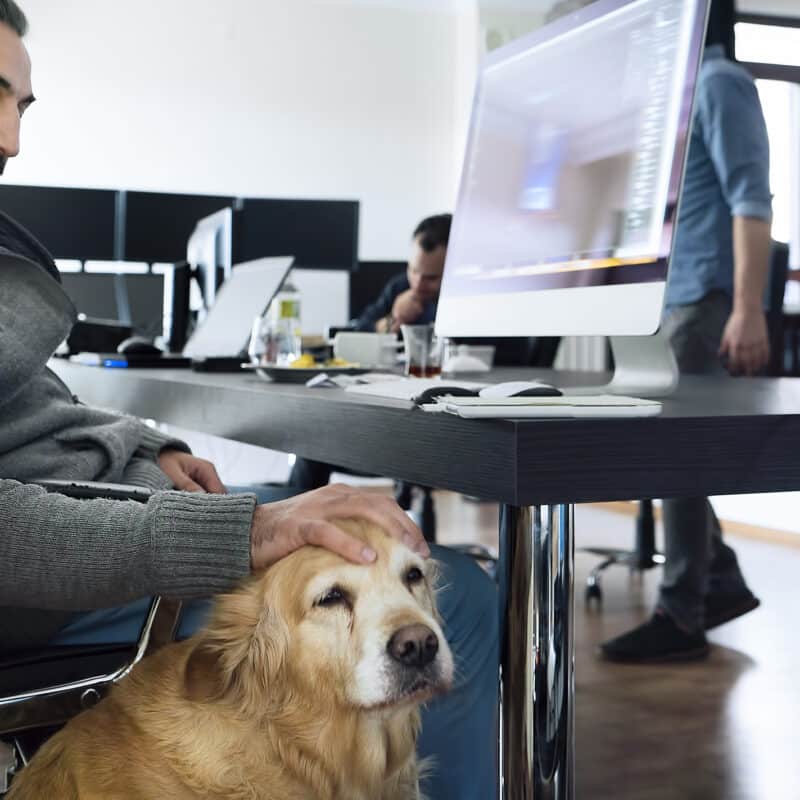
(281, 697)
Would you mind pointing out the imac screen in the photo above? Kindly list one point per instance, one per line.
(576, 150)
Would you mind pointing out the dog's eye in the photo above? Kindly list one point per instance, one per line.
(413, 576)
(334, 597)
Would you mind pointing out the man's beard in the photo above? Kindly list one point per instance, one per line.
(3, 161)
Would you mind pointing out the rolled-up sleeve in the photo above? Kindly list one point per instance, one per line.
(735, 134)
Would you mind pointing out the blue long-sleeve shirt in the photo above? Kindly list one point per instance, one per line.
(383, 305)
(727, 175)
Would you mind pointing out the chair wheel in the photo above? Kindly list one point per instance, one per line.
(593, 592)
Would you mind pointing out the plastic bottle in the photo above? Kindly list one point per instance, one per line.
(284, 324)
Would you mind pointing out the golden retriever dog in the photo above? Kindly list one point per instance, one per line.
(305, 685)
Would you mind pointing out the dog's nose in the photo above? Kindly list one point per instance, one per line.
(413, 645)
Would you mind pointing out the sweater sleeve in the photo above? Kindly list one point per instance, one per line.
(61, 553)
(153, 442)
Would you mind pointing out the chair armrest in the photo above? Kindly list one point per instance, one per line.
(88, 490)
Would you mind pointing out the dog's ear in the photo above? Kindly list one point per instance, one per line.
(203, 680)
(241, 653)
(261, 671)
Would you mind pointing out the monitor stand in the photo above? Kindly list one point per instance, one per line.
(645, 366)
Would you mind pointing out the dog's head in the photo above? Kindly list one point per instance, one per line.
(316, 626)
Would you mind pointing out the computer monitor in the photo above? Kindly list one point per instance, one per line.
(93, 295)
(573, 169)
(130, 298)
(146, 303)
(70, 223)
(209, 251)
(320, 234)
(157, 224)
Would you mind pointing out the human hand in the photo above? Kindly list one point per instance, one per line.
(745, 341)
(407, 309)
(310, 518)
(189, 473)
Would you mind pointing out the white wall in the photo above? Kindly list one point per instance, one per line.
(785, 8)
(285, 98)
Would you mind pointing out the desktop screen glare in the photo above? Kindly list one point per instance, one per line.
(570, 172)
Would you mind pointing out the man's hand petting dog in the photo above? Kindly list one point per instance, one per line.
(282, 527)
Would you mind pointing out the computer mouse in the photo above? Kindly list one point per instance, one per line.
(432, 392)
(520, 389)
(138, 345)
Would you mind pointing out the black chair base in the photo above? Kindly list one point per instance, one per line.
(626, 558)
(644, 556)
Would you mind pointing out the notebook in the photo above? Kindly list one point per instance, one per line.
(575, 406)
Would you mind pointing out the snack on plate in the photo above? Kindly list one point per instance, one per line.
(305, 361)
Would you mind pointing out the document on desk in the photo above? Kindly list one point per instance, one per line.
(577, 406)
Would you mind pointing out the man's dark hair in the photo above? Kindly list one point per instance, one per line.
(12, 15)
(721, 19)
(434, 232)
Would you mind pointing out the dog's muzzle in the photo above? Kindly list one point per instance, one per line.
(413, 646)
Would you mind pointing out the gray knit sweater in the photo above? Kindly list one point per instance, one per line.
(59, 555)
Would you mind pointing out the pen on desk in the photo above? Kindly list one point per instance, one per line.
(115, 363)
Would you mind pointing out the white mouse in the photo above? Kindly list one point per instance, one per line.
(520, 389)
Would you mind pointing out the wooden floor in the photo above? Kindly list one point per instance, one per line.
(722, 729)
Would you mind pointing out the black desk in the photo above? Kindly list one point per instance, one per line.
(716, 436)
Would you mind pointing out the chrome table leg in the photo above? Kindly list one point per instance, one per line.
(537, 662)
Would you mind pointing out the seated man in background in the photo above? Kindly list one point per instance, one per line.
(408, 299)
(411, 299)
(76, 572)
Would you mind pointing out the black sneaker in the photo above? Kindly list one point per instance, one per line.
(722, 607)
(657, 640)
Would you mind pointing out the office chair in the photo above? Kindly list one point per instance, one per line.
(644, 555)
(41, 690)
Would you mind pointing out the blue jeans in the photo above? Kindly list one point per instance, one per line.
(459, 730)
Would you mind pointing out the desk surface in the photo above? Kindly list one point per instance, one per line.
(715, 436)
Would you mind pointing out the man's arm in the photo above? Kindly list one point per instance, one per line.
(745, 340)
(376, 317)
(60, 553)
(735, 135)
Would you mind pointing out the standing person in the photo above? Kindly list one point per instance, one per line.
(81, 571)
(715, 321)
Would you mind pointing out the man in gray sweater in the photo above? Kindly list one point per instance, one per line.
(74, 571)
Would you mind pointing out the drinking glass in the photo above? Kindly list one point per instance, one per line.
(423, 351)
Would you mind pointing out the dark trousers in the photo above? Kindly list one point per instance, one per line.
(697, 559)
(307, 474)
